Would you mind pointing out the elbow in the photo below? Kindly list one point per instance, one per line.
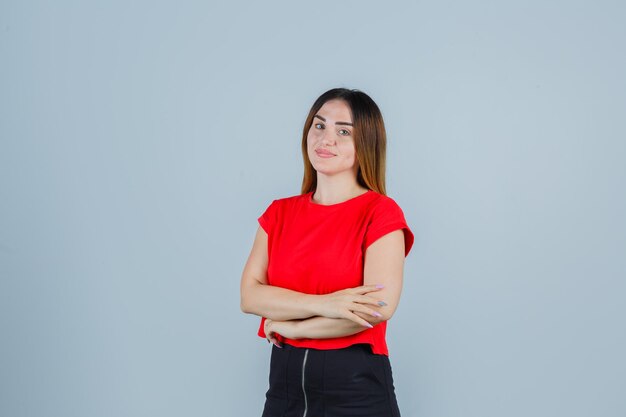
(378, 320)
(245, 306)
(245, 297)
(372, 319)
(248, 302)
(385, 316)
(243, 303)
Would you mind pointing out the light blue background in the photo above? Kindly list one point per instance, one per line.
(141, 140)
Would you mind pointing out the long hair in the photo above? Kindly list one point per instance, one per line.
(370, 139)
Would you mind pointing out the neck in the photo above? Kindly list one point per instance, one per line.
(336, 190)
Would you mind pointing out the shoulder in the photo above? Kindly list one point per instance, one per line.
(384, 216)
(280, 204)
(291, 199)
(383, 203)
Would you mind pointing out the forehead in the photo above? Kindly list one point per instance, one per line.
(336, 110)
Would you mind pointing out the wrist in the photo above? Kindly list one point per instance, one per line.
(311, 303)
(296, 329)
(289, 329)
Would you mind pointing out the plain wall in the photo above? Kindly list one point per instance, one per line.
(139, 142)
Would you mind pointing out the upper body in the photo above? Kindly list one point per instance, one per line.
(319, 249)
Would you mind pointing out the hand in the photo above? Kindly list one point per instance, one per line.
(271, 332)
(343, 303)
(286, 329)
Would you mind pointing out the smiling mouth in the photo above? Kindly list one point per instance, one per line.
(324, 153)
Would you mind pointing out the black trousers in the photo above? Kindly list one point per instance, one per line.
(352, 381)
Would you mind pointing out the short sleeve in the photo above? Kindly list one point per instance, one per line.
(386, 217)
(268, 218)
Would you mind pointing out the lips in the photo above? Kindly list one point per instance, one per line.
(323, 152)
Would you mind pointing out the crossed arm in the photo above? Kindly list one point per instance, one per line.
(298, 315)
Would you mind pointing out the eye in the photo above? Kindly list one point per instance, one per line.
(344, 134)
(318, 124)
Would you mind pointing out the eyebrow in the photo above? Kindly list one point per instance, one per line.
(337, 123)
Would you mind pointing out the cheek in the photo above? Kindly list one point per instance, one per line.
(310, 137)
(348, 150)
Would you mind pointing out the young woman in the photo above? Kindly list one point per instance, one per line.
(326, 267)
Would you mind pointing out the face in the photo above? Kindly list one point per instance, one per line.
(330, 141)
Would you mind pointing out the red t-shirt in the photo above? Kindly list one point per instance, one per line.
(319, 249)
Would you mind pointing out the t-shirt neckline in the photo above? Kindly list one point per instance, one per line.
(310, 201)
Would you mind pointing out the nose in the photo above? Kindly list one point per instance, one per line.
(328, 136)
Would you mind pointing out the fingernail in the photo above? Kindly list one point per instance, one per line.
(369, 325)
(380, 286)
(377, 314)
(278, 346)
(382, 303)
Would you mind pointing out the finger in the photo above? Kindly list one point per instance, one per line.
(366, 299)
(276, 342)
(367, 288)
(272, 338)
(359, 320)
(363, 309)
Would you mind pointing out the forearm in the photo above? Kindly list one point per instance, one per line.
(325, 328)
(277, 303)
